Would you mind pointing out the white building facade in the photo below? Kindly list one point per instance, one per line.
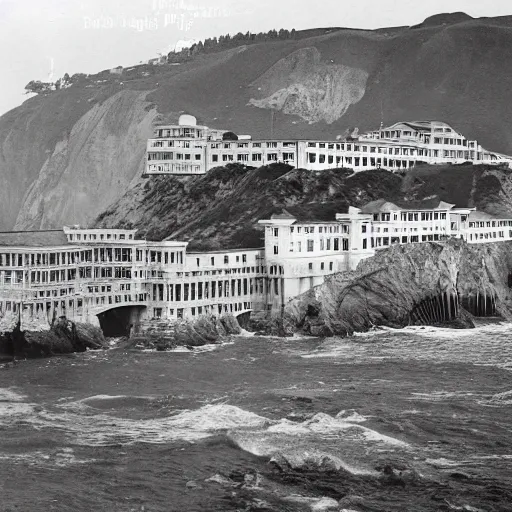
(190, 149)
(84, 273)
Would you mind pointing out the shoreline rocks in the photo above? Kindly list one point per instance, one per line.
(419, 284)
(164, 335)
(63, 337)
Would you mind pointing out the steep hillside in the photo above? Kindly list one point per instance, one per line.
(66, 155)
(221, 208)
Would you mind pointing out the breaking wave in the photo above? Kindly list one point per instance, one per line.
(322, 441)
(432, 344)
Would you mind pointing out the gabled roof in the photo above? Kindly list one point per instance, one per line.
(47, 238)
(283, 215)
(383, 206)
(444, 206)
(380, 206)
(479, 215)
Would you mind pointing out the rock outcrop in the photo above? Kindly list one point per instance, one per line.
(165, 335)
(429, 283)
(221, 209)
(301, 84)
(63, 337)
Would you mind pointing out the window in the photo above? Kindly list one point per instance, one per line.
(322, 265)
(256, 157)
(226, 259)
(215, 158)
(310, 245)
(276, 249)
(310, 266)
(330, 265)
(276, 231)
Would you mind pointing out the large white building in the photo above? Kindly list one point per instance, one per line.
(187, 148)
(300, 254)
(107, 276)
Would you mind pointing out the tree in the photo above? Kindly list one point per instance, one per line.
(37, 87)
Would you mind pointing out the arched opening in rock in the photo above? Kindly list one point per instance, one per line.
(243, 319)
(437, 309)
(121, 321)
(480, 304)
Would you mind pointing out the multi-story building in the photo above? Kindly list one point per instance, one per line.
(191, 149)
(107, 275)
(180, 149)
(84, 273)
(300, 254)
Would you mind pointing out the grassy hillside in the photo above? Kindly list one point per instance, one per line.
(221, 209)
(65, 156)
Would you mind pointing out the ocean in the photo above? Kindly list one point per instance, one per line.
(416, 419)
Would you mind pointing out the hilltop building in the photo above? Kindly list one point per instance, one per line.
(190, 149)
(107, 276)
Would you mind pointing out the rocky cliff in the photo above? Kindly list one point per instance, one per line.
(424, 284)
(66, 155)
(166, 335)
(221, 209)
(62, 337)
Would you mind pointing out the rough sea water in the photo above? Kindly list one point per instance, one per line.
(418, 419)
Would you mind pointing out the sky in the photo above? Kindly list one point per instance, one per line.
(43, 39)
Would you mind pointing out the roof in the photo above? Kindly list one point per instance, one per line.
(46, 238)
(283, 215)
(419, 125)
(384, 206)
(378, 206)
(479, 215)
